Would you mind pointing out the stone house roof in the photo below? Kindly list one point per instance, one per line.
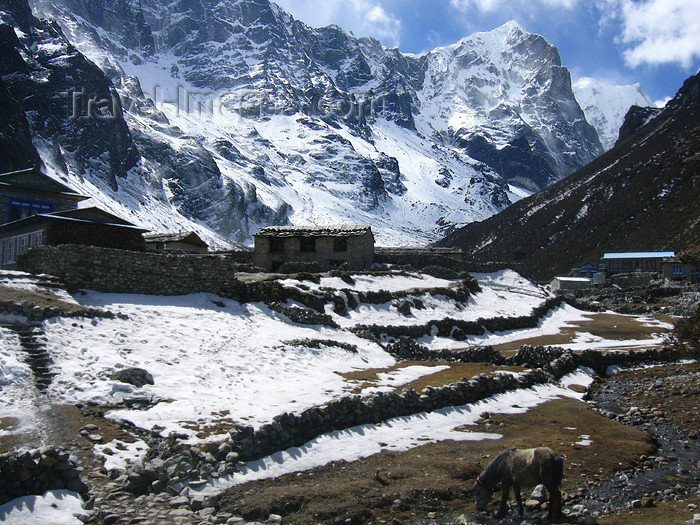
(188, 237)
(343, 230)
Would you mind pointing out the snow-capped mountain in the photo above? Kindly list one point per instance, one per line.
(237, 116)
(642, 195)
(606, 105)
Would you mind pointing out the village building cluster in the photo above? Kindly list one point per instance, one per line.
(37, 210)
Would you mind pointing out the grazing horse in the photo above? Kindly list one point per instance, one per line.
(516, 468)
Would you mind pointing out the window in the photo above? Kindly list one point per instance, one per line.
(627, 264)
(340, 244)
(307, 244)
(276, 245)
(21, 208)
(17, 245)
(651, 265)
(614, 265)
(8, 251)
(37, 239)
(677, 269)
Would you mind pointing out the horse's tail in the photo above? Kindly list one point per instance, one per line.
(558, 473)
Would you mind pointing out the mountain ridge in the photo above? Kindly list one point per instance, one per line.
(641, 195)
(316, 126)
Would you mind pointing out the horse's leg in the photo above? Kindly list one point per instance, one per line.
(518, 498)
(504, 501)
(554, 512)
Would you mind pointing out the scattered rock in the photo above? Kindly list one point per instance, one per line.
(133, 376)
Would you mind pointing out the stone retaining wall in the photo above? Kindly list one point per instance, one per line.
(422, 258)
(27, 473)
(172, 468)
(121, 271)
(459, 329)
(34, 313)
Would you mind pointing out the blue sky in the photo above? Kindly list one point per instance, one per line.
(653, 42)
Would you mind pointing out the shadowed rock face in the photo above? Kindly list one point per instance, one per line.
(641, 195)
(38, 67)
(16, 148)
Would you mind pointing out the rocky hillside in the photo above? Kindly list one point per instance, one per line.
(224, 117)
(641, 195)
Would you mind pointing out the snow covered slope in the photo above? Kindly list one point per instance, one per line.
(236, 116)
(606, 105)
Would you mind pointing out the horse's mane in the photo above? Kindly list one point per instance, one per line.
(492, 473)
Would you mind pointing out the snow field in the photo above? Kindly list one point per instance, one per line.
(209, 363)
(16, 386)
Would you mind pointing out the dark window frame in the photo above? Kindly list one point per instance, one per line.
(276, 245)
(340, 244)
(677, 269)
(307, 244)
(22, 208)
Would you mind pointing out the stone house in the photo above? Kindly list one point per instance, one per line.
(634, 262)
(37, 210)
(570, 283)
(88, 226)
(674, 269)
(328, 246)
(184, 242)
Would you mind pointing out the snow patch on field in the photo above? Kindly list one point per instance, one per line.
(397, 434)
(16, 386)
(56, 507)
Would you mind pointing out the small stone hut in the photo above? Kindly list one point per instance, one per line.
(328, 246)
(184, 242)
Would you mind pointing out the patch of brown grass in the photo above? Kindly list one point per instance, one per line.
(455, 373)
(614, 327)
(438, 477)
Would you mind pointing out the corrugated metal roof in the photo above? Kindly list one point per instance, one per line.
(638, 255)
(341, 230)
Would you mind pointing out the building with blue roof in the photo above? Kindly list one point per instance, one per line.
(626, 262)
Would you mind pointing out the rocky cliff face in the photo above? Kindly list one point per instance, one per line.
(641, 195)
(37, 66)
(237, 116)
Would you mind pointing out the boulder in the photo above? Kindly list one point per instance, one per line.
(133, 376)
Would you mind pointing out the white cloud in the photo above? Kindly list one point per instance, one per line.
(508, 5)
(660, 31)
(362, 17)
(662, 102)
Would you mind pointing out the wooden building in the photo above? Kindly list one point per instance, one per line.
(627, 262)
(183, 242)
(328, 246)
(28, 192)
(37, 210)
